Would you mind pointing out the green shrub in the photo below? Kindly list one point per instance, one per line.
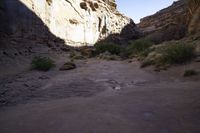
(42, 63)
(139, 47)
(109, 47)
(189, 73)
(177, 53)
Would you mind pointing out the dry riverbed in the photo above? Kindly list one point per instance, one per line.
(100, 97)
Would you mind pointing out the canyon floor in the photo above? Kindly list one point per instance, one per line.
(100, 97)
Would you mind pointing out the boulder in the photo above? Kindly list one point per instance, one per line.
(68, 66)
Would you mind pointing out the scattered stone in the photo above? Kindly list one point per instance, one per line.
(9, 82)
(130, 61)
(4, 92)
(117, 88)
(68, 66)
(108, 56)
(43, 77)
(78, 57)
(26, 85)
(5, 53)
(190, 72)
(148, 115)
(197, 59)
(65, 49)
(87, 52)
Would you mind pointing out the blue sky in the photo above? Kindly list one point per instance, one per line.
(137, 9)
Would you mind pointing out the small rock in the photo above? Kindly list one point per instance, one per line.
(26, 85)
(197, 59)
(65, 49)
(43, 77)
(87, 52)
(10, 82)
(130, 61)
(5, 53)
(68, 66)
(117, 88)
(78, 57)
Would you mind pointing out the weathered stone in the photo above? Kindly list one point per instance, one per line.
(68, 66)
(167, 24)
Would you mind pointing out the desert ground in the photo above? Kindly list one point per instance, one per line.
(100, 96)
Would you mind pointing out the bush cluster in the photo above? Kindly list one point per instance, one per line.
(42, 63)
(178, 53)
(108, 47)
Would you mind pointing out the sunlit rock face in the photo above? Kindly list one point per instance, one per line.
(167, 24)
(77, 22)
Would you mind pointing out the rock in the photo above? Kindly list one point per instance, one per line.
(194, 26)
(87, 52)
(78, 57)
(117, 88)
(26, 85)
(68, 66)
(167, 24)
(108, 56)
(77, 22)
(43, 77)
(197, 59)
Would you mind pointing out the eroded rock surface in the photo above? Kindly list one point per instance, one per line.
(77, 22)
(167, 24)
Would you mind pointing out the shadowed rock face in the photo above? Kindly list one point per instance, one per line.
(19, 21)
(78, 23)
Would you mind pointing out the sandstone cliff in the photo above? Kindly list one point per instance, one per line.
(194, 11)
(174, 22)
(77, 22)
(167, 24)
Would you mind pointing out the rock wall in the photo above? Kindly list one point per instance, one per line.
(167, 24)
(77, 22)
(194, 11)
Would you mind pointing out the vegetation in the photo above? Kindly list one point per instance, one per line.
(178, 53)
(139, 47)
(189, 73)
(163, 55)
(42, 63)
(112, 48)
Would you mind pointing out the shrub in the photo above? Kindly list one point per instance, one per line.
(139, 47)
(178, 53)
(110, 47)
(42, 63)
(189, 73)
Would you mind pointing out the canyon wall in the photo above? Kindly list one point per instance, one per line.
(174, 22)
(77, 22)
(167, 24)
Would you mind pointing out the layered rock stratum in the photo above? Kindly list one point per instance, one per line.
(169, 23)
(77, 22)
(174, 22)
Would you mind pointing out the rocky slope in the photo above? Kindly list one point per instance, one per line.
(77, 22)
(194, 11)
(167, 24)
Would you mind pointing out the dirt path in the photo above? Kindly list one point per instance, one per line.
(99, 97)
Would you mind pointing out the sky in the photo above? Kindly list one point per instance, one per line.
(137, 9)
